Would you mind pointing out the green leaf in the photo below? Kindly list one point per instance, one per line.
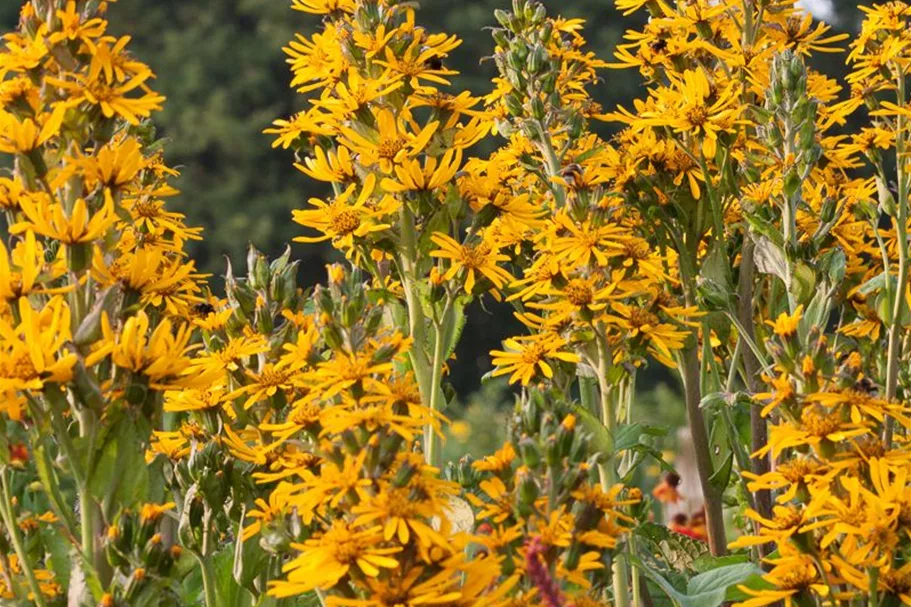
(59, 550)
(629, 435)
(601, 439)
(803, 282)
(770, 258)
(249, 561)
(454, 328)
(708, 562)
(874, 284)
(51, 485)
(722, 476)
(720, 579)
(709, 589)
(4, 447)
(229, 593)
(677, 550)
(122, 451)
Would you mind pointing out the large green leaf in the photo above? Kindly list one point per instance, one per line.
(51, 485)
(120, 477)
(59, 550)
(709, 589)
(716, 582)
(230, 594)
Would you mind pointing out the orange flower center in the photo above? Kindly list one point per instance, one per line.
(18, 366)
(389, 148)
(819, 421)
(579, 293)
(345, 221)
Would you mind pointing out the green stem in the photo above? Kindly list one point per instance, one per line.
(6, 510)
(607, 410)
(714, 201)
(895, 326)
(208, 579)
(552, 164)
(420, 364)
(431, 439)
(87, 506)
(608, 469)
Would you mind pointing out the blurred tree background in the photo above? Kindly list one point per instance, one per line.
(220, 64)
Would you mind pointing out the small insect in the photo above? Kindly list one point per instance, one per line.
(203, 309)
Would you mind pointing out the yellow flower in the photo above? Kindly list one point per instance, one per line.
(785, 326)
(160, 355)
(343, 221)
(694, 106)
(21, 272)
(115, 165)
(411, 177)
(585, 241)
(325, 559)
(499, 462)
(390, 144)
(48, 219)
(73, 28)
(525, 357)
(400, 515)
(32, 353)
(335, 167)
(266, 512)
(113, 99)
(793, 577)
(27, 135)
(152, 513)
(498, 505)
(480, 259)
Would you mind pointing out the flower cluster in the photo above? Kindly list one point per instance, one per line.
(843, 495)
(283, 445)
(96, 297)
(551, 526)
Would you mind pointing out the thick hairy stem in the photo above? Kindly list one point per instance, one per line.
(12, 529)
(89, 513)
(552, 164)
(714, 513)
(424, 373)
(901, 227)
(608, 470)
(758, 427)
(208, 579)
(432, 441)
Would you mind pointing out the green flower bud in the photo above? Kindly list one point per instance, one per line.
(527, 494)
(537, 108)
(501, 38)
(531, 453)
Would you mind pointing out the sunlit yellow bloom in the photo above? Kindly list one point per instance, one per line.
(525, 357)
(48, 219)
(412, 177)
(480, 260)
(324, 560)
(32, 352)
(341, 220)
(390, 143)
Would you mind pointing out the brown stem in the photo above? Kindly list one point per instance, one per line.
(758, 427)
(714, 509)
